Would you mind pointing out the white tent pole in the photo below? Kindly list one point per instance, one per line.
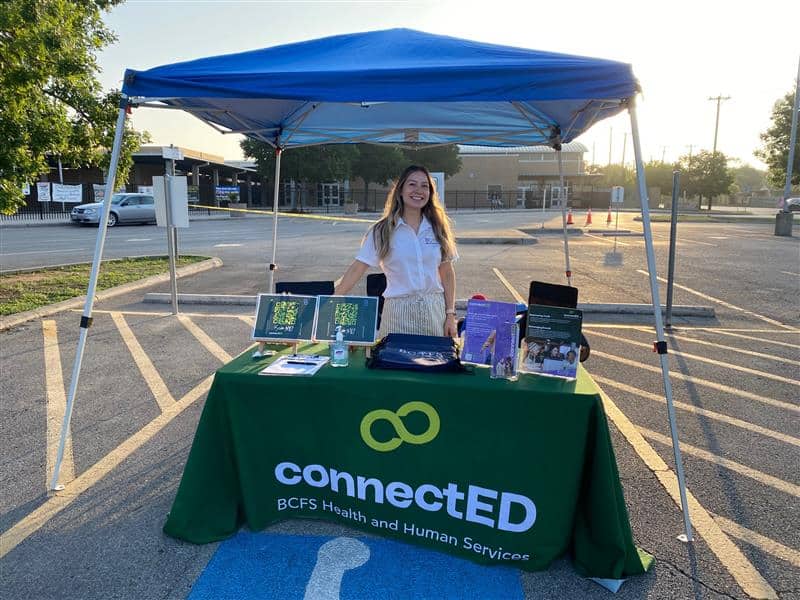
(86, 318)
(563, 197)
(661, 344)
(272, 265)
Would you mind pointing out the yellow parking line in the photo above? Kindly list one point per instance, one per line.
(723, 303)
(698, 381)
(782, 437)
(249, 320)
(205, 339)
(29, 525)
(508, 285)
(761, 477)
(761, 542)
(146, 368)
(144, 313)
(56, 406)
(743, 572)
(749, 371)
(733, 348)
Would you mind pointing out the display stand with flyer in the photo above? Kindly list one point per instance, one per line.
(552, 341)
(283, 318)
(484, 319)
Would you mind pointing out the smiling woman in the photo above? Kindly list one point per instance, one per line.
(413, 245)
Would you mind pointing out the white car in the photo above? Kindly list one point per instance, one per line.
(125, 208)
(791, 204)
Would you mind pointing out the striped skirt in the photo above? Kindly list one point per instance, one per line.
(420, 315)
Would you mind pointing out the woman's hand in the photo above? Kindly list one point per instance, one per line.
(450, 326)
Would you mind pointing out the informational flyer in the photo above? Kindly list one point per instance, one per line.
(552, 342)
(481, 324)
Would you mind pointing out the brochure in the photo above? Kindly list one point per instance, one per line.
(552, 341)
(295, 364)
(481, 324)
(504, 354)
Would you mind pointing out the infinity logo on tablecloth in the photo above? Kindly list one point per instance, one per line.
(395, 419)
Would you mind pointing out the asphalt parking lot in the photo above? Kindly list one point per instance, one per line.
(145, 373)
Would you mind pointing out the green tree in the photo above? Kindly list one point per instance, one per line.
(444, 159)
(311, 164)
(748, 179)
(705, 175)
(378, 164)
(51, 103)
(775, 151)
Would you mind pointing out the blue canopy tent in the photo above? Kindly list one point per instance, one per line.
(395, 86)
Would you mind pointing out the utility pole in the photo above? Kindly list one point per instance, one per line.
(787, 190)
(663, 153)
(610, 136)
(719, 99)
(624, 142)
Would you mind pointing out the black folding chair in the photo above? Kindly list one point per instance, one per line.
(305, 288)
(376, 285)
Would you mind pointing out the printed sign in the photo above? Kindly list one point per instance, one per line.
(223, 192)
(617, 194)
(43, 191)
(284, 318)
(67, 193)
(356, 315)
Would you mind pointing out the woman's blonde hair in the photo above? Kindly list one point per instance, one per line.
(433, 210)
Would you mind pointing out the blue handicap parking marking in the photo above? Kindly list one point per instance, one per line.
(258, 565)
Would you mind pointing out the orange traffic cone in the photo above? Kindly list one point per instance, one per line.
(608, 218)
(569, 217)
(589, 216)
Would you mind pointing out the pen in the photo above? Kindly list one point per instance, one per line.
(299, 362)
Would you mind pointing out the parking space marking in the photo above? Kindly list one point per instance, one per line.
(759, 476)
(684, 241)
(698, 381)
(732, 333)
(206, 340)
(56, 402)
(34, 521)
(782, 437)
(138, 239)
(723, 303)
(761, 542)
(780, 359)
(248, 320)
(148, 313)
(160, 391)
(508, 285)
(790, 273)
(607, 241)
(705, 359)
(741, 569)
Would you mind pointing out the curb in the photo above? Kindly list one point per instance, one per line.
(679, 310)
(524, 241)
(51, 309)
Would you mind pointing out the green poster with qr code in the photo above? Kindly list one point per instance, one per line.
(284, 318)
(356, 315)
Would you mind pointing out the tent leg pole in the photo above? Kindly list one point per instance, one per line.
(661, 344)
(563, 199)
(86, 318)
(272, 265)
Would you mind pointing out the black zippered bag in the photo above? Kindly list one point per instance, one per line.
(427, 353)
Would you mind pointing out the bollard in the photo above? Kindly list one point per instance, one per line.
(783, 224)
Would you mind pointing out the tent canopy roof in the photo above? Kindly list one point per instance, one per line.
(392, 86)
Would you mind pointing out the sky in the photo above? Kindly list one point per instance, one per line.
(683, 52)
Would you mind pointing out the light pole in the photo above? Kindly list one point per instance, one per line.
(719, 99)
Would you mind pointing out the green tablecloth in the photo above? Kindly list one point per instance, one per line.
(499, 472)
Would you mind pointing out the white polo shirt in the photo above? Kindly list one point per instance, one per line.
(412, 265)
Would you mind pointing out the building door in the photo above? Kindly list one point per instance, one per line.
(329, 194)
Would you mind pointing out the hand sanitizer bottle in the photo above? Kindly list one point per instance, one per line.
(339, 350)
